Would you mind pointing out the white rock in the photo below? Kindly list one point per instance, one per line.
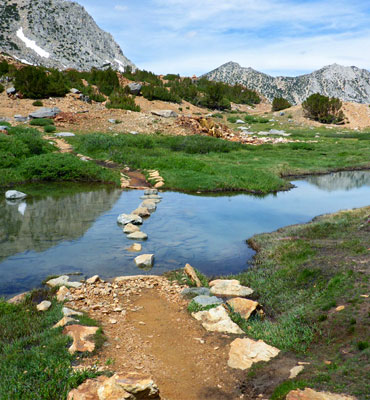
(65, 134)
(165, 113)
(144, 260)
(67, 312)
(63, 281)
(148, 192)
(295, 371)
(229, 288)
(14, 195)
(93, 279)
(125, 219)
(44, 305)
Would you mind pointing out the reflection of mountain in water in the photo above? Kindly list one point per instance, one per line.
(345, 180)
(38, 224)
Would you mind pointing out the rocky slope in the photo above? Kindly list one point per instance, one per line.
(347, 83)
(56, 33)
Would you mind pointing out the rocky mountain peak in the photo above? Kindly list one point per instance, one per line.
(56, 33)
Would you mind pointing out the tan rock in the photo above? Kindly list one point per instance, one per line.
(229, 288)
(88, 390)
(80, 335)
(131, 228)
(67, 312)
(144, 260)
(190, 272)
(217, 320)
(310, 394)
(159, 184)
(63, 294)
(19, 298)
(295, 371)
(44, 305)
(64, 321)
(93, 279)
(142, 212)
(245, 352)
(135, 247)
(340, 308)
(137, 236)
(244, 307)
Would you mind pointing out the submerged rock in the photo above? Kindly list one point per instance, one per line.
(14, 195)
(135, 247)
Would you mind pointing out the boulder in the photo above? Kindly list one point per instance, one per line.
(14, 195)
(195, 291)
(65, 134)
(137, 236)
(190, 272)
(217, 320)
(45, 112)
(141, 212)
(44, 305)
(135, 247)
(64, 321)
(310, 394)
(244, 307)
(165, 113)
(80, 335)
(11, 90)
(125, 219)
(148, 192)
(63, 294)
(245, 352)
(135, 88)
(67, 312)
(205, 301)
(229, 288)
(131, 228)
(144, 260)
(118, 387)
(63, 280)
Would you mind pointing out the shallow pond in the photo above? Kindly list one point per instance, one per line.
(67, 228)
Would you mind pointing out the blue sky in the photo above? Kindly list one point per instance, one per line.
(279, 37)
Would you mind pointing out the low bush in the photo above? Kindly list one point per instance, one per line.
(1, 88)
(41, 122)
(279, 103)
(49, 128)
(38, 103)
(152, 92)
(119, 99)
(323, 109)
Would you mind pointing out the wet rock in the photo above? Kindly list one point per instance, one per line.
(80, 335)
(64, 321)
(63, 294)
(14, 195)
(44, 305)
(229, 288)
(165, 113)
(141, 212)
(137, 236)
(217, 320)
(295, 371)
(65, 134)
(245, 352)
(45, 112)
(149, 205)
(131, 228)
(148, 192)
(135, 247)
(198, 291)
(310, 394)
(63, 281)
(18, 299)
(67, 312)
(145, 260)
(125, 219)
(134, 88)
(190, 272)
(205, 301)
(244, 307)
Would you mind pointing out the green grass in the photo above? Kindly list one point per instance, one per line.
(199, 163)
(34, 361)
(41, 122)
(194, 307)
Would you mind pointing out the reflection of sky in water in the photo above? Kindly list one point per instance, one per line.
(207, 232)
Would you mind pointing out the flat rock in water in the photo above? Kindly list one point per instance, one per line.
(165, 113)
(310, 394)
(14, 195)
(65, 134)
(245, 352)
(137, 236)
(135, 247)
(141, 212)
(125, 219)
(205, 301)
(80, 335)
(229, 288)
(45, 113)
(63, 281)
(131, 228)
(244, 307)
(148, 192)
(217, 320)
(149, 205)
(44, 305)
(145, 260)
(196, 291)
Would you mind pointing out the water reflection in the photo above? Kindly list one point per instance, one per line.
(345, 180)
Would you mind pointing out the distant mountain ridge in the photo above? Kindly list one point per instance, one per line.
(56, 33)
(347, 83)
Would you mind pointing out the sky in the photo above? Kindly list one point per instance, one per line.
(278, 37)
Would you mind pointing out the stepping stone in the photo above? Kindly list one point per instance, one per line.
(141, 212)
(217, 320)
(137, 236)
(67, 312)
(148, 192)
(135, 247)
(229, 288)
(244, 307)
(245, 352)
(14, 195)
(198, 291)
(80, 335)
(131, 228)
(310, 394)
(44, 305)
(192, 275)
(159, 184)
(144, 261)
(205, 301)
(125, 219)
(149, 205)
(63, 281)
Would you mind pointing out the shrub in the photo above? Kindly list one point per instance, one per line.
(323, 109)
(4, 68)
(107, 81)
(38, 103)
(279, 103)
(152, 92)
(49, 128)
(1, 88)
(119, 99)
(41, 122)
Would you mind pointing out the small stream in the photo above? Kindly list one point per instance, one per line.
(65, 228)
